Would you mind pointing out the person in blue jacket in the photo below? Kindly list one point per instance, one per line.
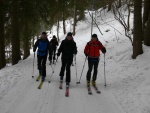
(42, 52)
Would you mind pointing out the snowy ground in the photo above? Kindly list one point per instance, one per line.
(128, 85)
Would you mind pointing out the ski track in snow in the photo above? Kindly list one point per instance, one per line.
(24, 97)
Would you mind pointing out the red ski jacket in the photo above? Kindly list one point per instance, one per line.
(92, 49)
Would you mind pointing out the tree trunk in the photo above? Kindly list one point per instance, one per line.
(146, 12)
(81, 14)
(137, 38)
(26, 40)
(119, 3)
(75, 18)
(15, 32)
(33, 39)
(129, 12)
(64, 25)
(109, 4)
(147, 33)
(2, 41)
(58, 28)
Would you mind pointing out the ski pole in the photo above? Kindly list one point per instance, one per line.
(56, 60)
(33, 66)
(82, 70)
(104, 72)
(76, 68)
(53, 70)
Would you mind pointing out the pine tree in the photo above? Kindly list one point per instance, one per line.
(15, 39)
(2, 42)
(146, 12)
(147, 33)
(137, 38)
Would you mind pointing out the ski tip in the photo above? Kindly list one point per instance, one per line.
(67, 95)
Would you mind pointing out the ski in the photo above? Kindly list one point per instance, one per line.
(89, 90)
(40, 86)
(96, 89)
(67, 92)
(38, 78)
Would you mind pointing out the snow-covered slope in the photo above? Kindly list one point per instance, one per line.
(128, 84)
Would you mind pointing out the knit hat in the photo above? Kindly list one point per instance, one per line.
(94, 36)
(69, 34)
(54, 36)
(44, 33)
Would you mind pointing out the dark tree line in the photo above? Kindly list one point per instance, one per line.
(22, 20)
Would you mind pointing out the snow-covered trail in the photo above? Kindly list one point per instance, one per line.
(127, 88)
(24, 97)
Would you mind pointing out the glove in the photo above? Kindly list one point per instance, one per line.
(104, 50)
(86, 54)
(58, 54)
(75, 53)
(34, 50)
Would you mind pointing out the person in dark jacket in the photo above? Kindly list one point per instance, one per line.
(53, 43)
(43, 47)
(68, 49)
(92, 51)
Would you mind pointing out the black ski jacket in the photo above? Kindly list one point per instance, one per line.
(67, 48)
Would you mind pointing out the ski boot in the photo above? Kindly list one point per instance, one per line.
(50, 62)
(88, 83)
(93, 83)
(67, 90)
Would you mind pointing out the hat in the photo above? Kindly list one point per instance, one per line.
(44, 33)
(54, 36)
(69, 34)
(94, 36)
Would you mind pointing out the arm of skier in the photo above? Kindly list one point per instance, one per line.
(60, 49)
(86, 50)
(35, 46)
(75, 49)
(102, 48)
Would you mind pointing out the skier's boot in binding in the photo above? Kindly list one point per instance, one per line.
(67, 89)
(50, 62)
(61, 82)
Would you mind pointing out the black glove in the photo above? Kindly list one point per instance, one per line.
(86, 54)
(104, 50)
(75, 53)
(34, 50)
(58, 54)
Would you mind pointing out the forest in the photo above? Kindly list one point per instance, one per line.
(22, 21)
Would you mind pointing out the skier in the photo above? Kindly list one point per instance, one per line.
(92, 52)
(43, 47)
(68, 49)
(53, 43)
